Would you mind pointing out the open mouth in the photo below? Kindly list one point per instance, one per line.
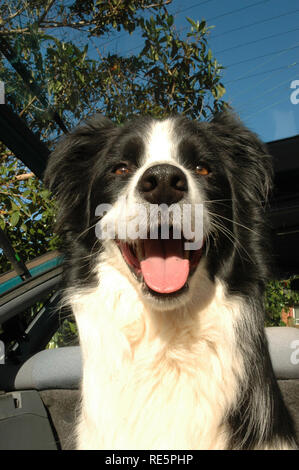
(163, 265)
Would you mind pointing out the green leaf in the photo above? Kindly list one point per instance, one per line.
(14, 218)
(220, 91)
(170, 20)
(192, 22)
(14, 206)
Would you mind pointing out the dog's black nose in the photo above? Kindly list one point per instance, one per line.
(163, 183)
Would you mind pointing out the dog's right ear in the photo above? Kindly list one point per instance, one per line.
(70, 168)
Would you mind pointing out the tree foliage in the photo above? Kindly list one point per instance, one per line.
(26, 211)
(279, 296)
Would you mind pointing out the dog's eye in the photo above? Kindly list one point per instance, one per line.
(121, 170)
(202, 170)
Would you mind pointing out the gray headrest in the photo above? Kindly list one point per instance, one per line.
(52, 368)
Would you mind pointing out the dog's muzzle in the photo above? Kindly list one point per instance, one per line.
(162, 263)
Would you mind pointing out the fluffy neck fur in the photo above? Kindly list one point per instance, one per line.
(154, 379)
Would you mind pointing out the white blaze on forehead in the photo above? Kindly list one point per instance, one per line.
(161, 142)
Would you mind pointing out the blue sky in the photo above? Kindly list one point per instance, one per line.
(258, 44)
(257, 41)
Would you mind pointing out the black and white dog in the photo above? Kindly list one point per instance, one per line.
(172, 338)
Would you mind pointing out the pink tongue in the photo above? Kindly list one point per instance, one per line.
(164, 269)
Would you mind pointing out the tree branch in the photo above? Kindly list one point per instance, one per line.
(11, 17)
(43, 16)
(51, 23)
(24, 176)
(14, 31)
(153, 5)
(27, 106)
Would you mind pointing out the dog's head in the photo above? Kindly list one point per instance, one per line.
(164, 200)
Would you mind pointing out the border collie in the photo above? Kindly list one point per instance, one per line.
(173, 344)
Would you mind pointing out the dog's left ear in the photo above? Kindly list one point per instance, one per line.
(70, 170)
(251, 162)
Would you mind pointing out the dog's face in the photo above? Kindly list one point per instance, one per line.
(168, 201)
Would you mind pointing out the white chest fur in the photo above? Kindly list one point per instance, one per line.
(152, 379)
